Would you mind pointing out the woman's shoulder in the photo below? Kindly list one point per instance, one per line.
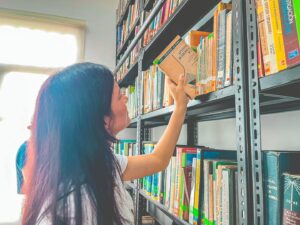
(123, 161)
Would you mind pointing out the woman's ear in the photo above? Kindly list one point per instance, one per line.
(107, 121)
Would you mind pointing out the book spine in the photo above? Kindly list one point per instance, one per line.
(289, 31)
(181, 185)
(197, 188)
(177, 182)
(228, 64)
(221, 49)
(192, 196)
(296, 5)
(272, 188)
(269, 39)
(215, 50)
(291, 199)
(211, 83)
(206, 191)
(225, 199)
(168, 184)
(277, 34)
(173, 177)
(260, 64)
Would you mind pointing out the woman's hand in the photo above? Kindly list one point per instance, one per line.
(177, 91)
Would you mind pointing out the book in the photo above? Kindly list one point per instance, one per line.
(177, 59)
(221, 47)
(289, 31)
(173, 178)
(228, 54)
(275, 163)
(192, 196)
(228, 196)
(291, 199)
(296, 5)
(193, 38)
(277, 34)
(272, 67)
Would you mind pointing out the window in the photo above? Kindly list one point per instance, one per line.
(32, 46)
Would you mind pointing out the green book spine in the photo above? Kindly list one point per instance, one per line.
(291, 199)
(296, 4)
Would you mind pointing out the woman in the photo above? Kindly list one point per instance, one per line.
(73, 176)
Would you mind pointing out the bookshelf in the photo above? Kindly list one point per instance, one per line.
(248, 99)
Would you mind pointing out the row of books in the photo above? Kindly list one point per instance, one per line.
(215, 53)
(209, 68)
(279, 35)
(281, 175)
(160, 19)
(131, 59)
(198, 186)
(121, 9)
(125, 147)
(132, 94)
(128, 24)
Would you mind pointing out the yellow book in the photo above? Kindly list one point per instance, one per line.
(273, 68)
(277, 34)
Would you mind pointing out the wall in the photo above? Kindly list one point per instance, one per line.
(98, 14)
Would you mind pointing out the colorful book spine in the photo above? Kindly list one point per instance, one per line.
(228, 64)
(291, 199)
(277, 34)
(193, 185)
(270, 39)
(296, 5)
(173, 178)
(196, 213)
(289, 31)
(221, 49)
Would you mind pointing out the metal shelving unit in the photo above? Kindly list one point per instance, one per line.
(245, 101)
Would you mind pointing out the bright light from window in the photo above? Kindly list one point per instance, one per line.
(17, 99)
(32, 47)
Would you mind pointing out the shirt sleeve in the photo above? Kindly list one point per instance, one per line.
(123, 161)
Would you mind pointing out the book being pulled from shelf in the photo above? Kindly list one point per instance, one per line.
(279, 35)
(198, 186)
(180, 59)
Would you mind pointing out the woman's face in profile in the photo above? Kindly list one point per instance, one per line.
(119, 119)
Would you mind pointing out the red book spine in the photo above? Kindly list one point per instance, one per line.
(260, 64)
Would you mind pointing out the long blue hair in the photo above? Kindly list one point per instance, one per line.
(70, 148)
